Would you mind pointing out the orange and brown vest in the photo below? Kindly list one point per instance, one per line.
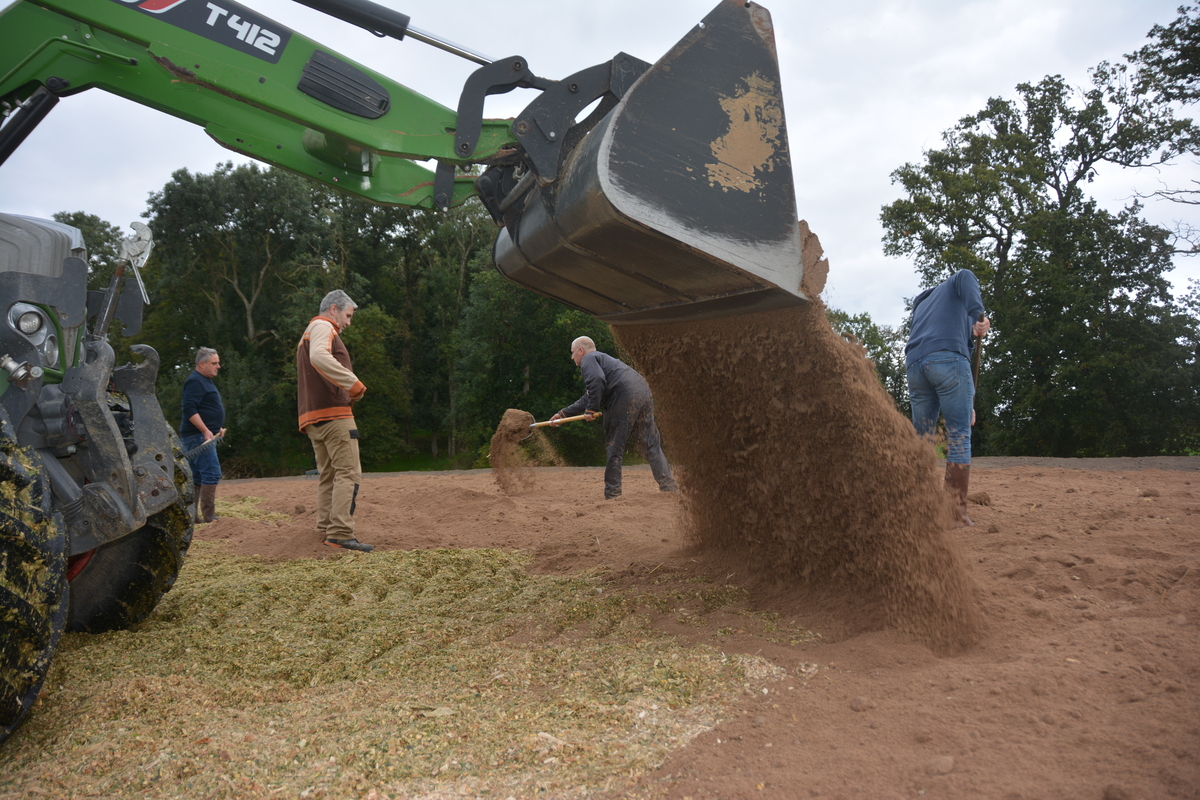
(319, 399)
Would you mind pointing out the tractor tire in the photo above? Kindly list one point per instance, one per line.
(33, 585)
(118, 584)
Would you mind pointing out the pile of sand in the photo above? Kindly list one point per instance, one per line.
(516, 449)
(509, 463)
(794, 461)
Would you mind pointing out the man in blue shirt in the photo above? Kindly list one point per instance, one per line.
(614, 387)
(203, 416)
(938, 359)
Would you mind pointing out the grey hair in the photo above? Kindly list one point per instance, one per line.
(586, 342)
(204, 354)
(337, 298)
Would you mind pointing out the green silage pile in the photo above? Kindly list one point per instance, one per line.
(395, 673)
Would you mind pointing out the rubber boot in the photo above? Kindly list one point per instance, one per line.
(612, 476)
(197, 517)
(958, 478)
(208, 503)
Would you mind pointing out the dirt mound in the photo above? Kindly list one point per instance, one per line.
(794, 460)
(1086, 676)
(508, 460)
(516, 449)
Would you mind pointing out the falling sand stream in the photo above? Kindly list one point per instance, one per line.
(793, 460)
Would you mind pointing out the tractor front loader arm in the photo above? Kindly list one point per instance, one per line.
(672, 200)
(253, 85)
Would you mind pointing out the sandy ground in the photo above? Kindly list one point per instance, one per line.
(1085, 685)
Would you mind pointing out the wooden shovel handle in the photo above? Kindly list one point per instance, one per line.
(564, 419)
(976, 355)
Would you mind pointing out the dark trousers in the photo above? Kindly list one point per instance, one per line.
(630, 413)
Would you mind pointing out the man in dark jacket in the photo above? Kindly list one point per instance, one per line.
(614, 387)
(203, 416)
(938, 359)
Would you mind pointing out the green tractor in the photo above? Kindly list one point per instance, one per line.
(95, 494)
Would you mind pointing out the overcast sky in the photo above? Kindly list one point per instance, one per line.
(868, 86)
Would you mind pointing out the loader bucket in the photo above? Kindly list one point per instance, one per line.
(680, 203)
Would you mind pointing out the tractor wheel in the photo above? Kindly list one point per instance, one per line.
(33, 586)
(119, 583)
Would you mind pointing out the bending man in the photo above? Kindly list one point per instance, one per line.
(938, 358)
(614, 387)
(327, 387)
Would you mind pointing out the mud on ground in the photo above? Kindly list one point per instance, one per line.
(1085, 683)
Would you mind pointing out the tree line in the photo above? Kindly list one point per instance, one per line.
(1090, 354)
(444, 344)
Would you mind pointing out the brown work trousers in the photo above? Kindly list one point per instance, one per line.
(335, 444)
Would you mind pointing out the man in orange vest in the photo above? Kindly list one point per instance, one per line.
(327, 389)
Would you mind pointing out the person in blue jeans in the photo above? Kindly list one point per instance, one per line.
(203, 416)
(938, 361)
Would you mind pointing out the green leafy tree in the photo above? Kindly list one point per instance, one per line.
(1097, 360)
(457, 250)
(1170, 63)
(233, 255)
(103, 241)
(230, 245)
(1168, 68)
(1089, 354)
(443, 342)
(372, 340)
(418, 266)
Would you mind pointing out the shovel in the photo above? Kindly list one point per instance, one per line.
(976, 356)
(576, 418)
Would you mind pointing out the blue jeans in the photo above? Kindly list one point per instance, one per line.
(940, 383)
(206, 469)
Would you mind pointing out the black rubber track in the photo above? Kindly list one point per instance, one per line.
(33, 587)
(123, 581)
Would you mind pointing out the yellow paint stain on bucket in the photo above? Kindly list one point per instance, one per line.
(755, 131)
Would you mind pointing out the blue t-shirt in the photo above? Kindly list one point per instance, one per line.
(943, 316)
(200, 396)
